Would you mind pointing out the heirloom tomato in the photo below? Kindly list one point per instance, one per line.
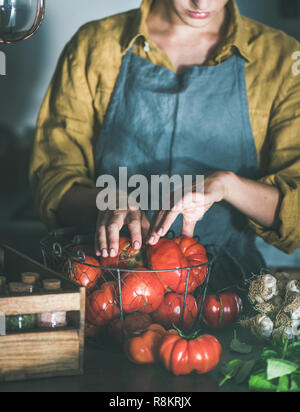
(180, 252)
(141, 291)
(181, 355)
(85, 275)
(102, 305)
(170, 311)
(134, 324)
(127, 257)
(220, 311)
(144, 348)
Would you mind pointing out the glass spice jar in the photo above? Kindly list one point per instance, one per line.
(31, 278)
(52, 320)
(20, 323)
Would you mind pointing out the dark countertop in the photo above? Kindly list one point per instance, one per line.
(108, 370)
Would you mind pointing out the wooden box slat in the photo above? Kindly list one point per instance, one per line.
(41, 354)
(38, 354)
(63, 302)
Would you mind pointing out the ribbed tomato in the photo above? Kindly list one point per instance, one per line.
(85, 275)
(220, 311)
(141, 291)
(182, 356)
(170, 311)
(102, 305)
(177, 253)
(144, 348)
(127, 257)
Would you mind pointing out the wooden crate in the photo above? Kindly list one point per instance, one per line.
(41, 354)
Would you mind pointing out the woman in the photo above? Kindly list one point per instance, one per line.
(177, 87)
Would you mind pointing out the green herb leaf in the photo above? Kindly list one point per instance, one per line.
(293, 352)
(283, 384)
(239, 347)
(245, 371)
(231, 369)
(268, 353)
(279, 367)
(294, 387)
(260, 383)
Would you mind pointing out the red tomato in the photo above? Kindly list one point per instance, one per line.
(220, 311)
(176, 253)
(182, 356)
(134, 324)
(143, 348)
(170, 311)
(102, 305)
(141, 291)
(84, 275)
(127, 257)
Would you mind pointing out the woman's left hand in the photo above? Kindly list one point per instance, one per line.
(192, 206)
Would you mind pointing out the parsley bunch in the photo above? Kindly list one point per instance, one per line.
(277, 369)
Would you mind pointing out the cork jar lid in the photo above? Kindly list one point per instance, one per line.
(16, 287)
(30, 278)
(51, 284)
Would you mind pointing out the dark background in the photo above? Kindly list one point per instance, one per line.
(30, 65)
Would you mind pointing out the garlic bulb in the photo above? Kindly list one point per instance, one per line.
(296, 327)
(262, 288)
(293, 286)
(261, 326)
(266, 326)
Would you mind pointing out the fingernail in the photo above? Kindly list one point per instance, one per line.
(104, 253)
(136, 245)
(160, 232)
(151, 240)
(112, 253)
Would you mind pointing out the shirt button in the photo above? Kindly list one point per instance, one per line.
(146, 47)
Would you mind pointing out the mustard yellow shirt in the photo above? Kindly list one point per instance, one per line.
(73, 110)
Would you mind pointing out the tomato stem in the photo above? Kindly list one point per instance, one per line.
(191, 336)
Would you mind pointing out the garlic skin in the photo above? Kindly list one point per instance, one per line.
(270, 282)
(266, 326)
(288, 332)
(296, 328)
(295, 315)
(293, 286)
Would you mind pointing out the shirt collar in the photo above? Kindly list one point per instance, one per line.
(137, 28)
(236, 36)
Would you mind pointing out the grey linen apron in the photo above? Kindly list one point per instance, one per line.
(160, 122)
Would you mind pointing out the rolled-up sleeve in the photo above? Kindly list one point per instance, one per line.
(63, 153)
(281, 167)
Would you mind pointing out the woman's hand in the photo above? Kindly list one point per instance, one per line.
(192, 206)
(110, 222)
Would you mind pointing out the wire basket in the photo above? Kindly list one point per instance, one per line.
(61, 250)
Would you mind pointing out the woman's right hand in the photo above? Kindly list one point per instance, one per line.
(110, 222)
